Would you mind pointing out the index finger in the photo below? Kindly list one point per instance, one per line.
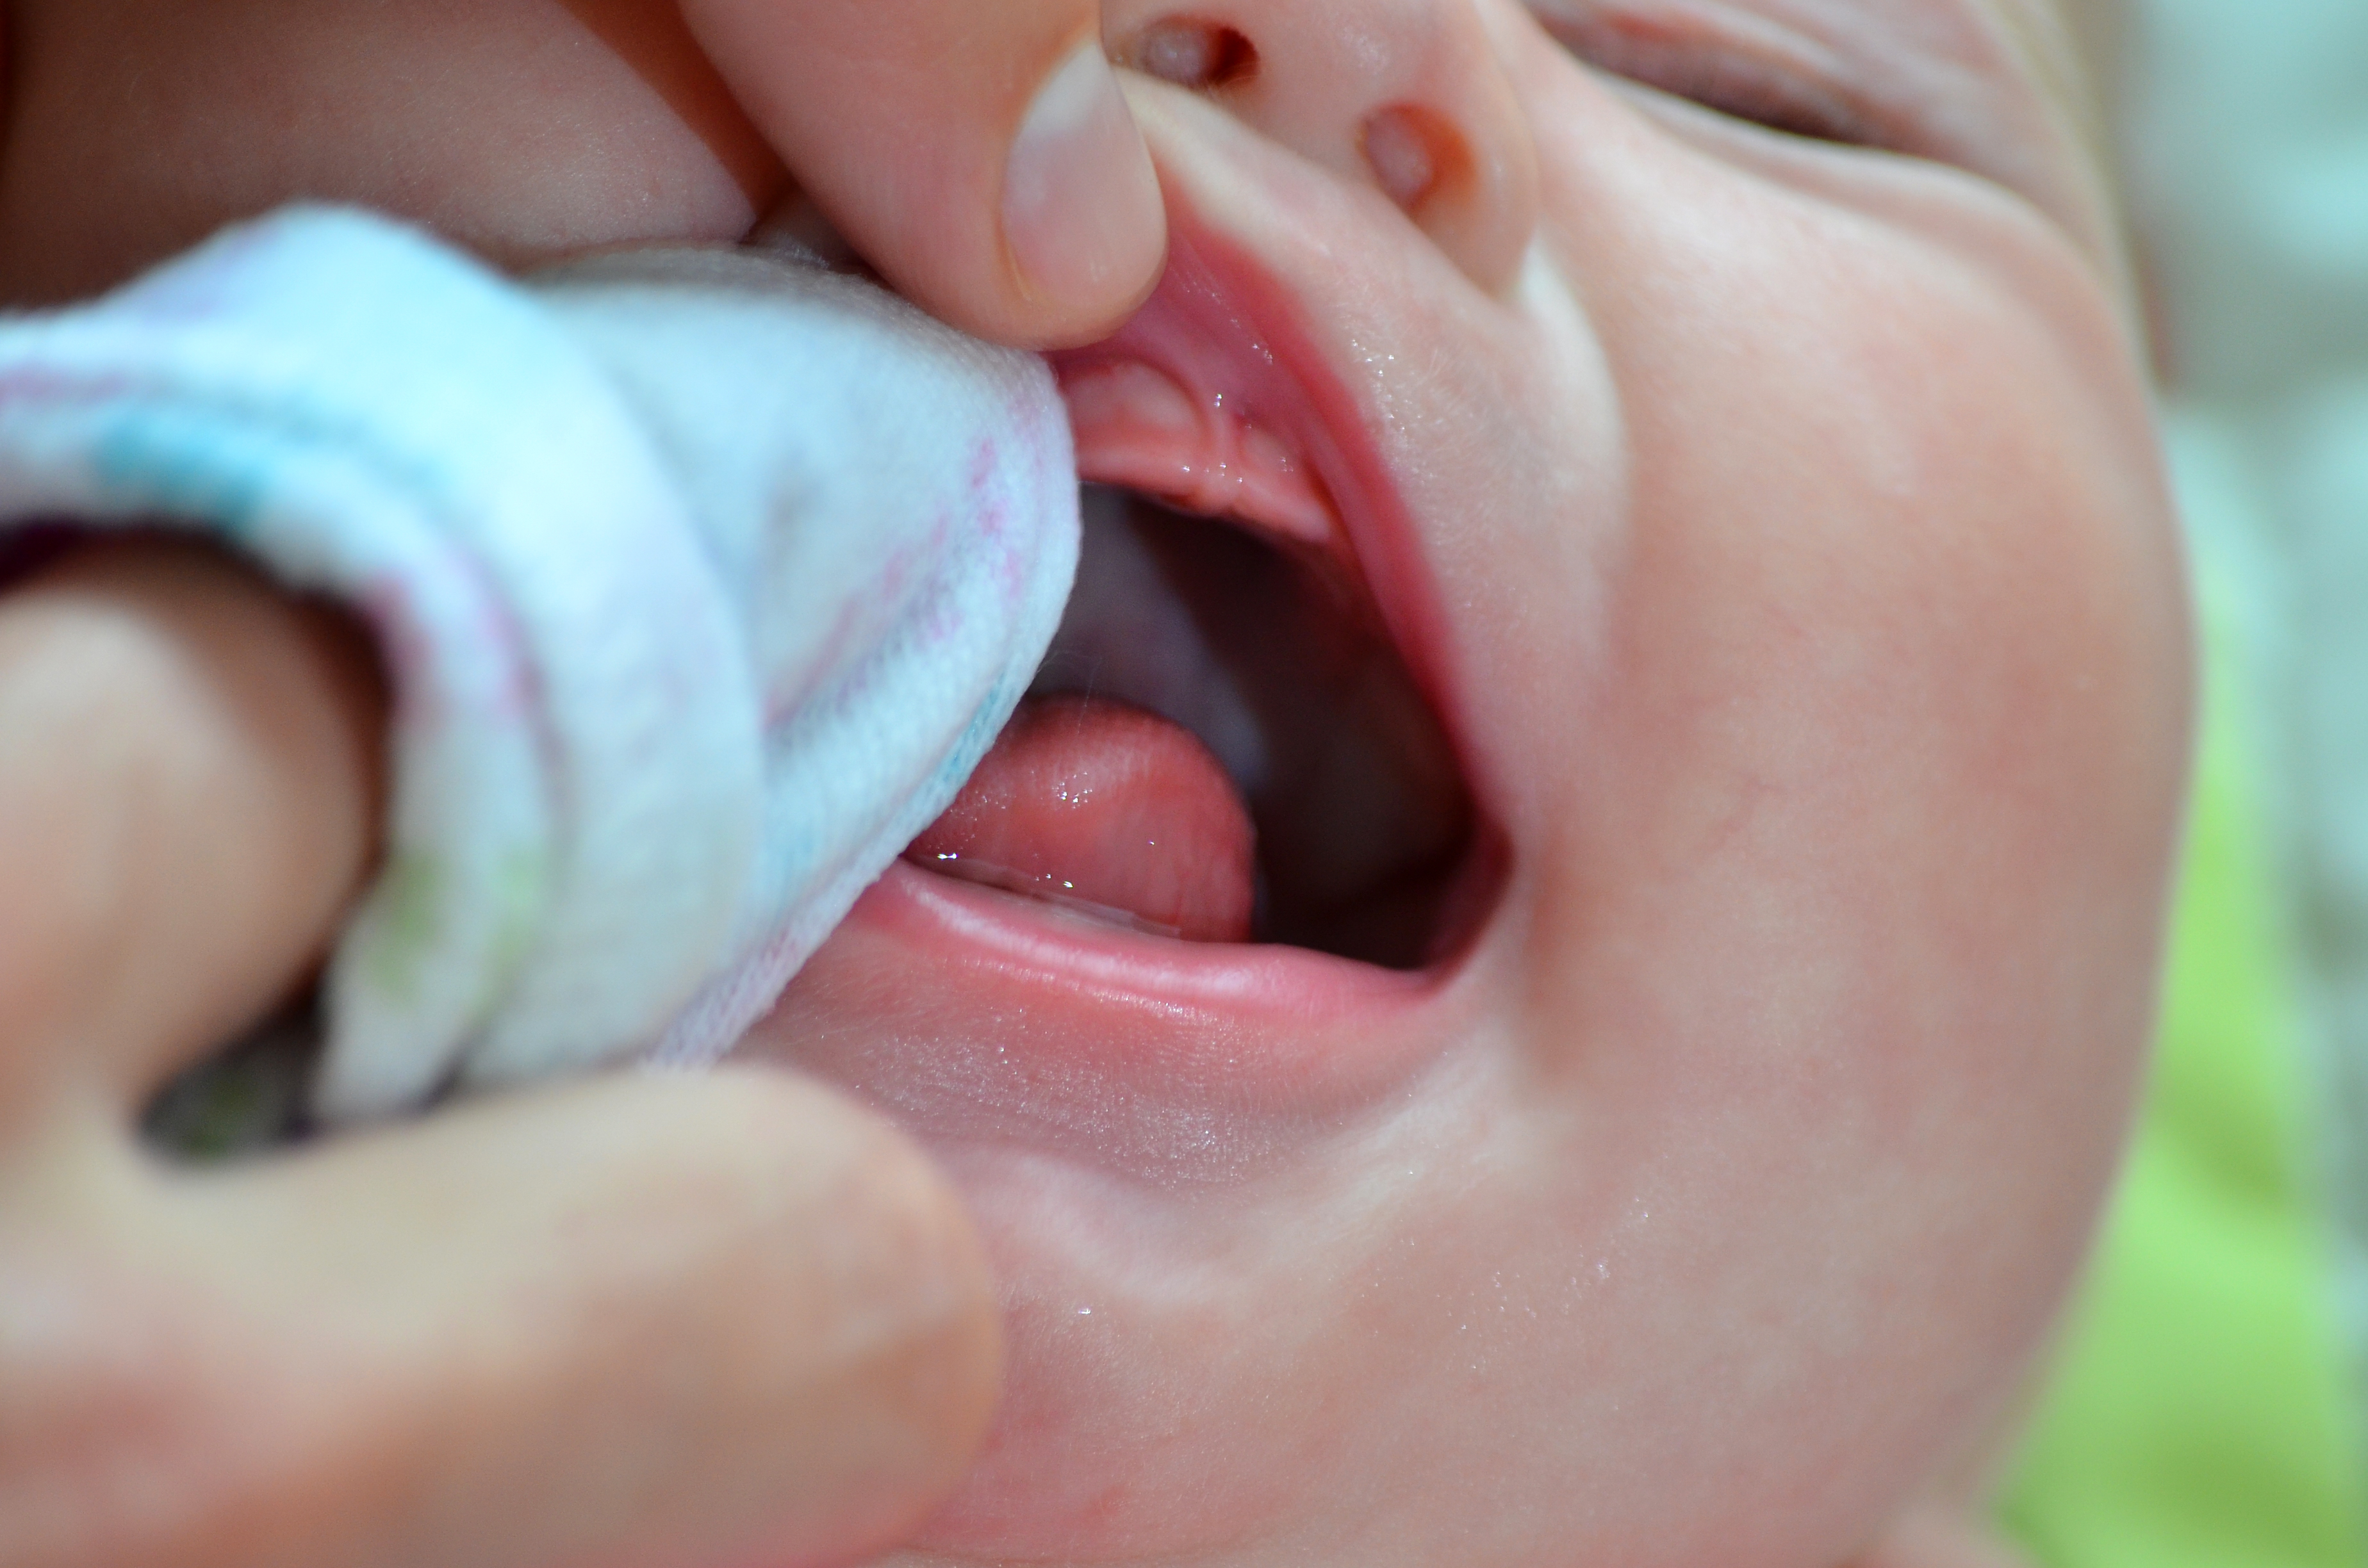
(188, 772)
(977, 151)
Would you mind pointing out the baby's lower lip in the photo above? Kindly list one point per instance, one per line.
(970, 1014)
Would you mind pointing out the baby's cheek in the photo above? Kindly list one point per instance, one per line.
(1839, 732)
(1875, 648)
(1890, 763)
(524, 129)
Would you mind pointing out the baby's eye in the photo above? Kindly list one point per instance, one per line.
(1746, 72)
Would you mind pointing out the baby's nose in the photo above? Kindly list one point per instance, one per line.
(1406, 96)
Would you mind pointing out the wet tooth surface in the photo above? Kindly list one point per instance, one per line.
(1103, 808)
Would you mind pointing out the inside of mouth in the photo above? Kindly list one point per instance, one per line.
(1223, 745)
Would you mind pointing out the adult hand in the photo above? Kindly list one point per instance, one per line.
(636, 1320)
(978, 152)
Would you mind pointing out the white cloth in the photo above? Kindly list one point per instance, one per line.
(703, 578)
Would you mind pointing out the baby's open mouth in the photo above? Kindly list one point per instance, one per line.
(1222, 746)
(1225, 876)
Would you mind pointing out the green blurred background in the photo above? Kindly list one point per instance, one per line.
(2208, 1403)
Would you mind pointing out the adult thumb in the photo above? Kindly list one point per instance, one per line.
(685, 1322)
(977, 151)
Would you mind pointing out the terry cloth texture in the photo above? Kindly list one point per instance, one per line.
(702, 577)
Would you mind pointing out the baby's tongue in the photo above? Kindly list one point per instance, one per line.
(1106, 808)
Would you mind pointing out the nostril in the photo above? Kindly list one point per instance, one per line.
(1193, 53)
(1413, 154)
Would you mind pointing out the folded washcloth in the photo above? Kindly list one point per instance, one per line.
(703, 578)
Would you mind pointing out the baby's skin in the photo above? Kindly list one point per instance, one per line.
(1730, 414)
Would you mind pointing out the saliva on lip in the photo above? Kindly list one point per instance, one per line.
(1045, 888)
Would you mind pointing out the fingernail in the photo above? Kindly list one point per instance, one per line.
(1081, 207)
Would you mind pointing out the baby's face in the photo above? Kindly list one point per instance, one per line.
(1771, 527)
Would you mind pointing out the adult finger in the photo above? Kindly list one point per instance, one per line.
(631, 1321)
(189, 765)
(977, 151)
